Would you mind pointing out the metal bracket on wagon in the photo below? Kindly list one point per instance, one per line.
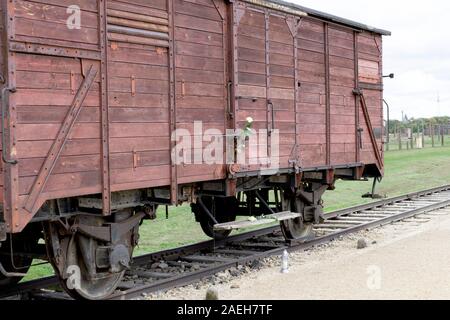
(314, 213)
(110, 233)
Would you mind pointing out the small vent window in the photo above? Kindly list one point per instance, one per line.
(369, 71)
(137, 28)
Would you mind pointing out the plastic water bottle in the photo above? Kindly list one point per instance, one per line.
(285, 262)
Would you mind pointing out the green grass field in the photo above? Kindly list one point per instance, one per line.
(406, 171)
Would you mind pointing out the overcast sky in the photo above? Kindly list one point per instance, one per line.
(418, 52)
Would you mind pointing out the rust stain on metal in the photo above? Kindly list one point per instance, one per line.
(233, 169)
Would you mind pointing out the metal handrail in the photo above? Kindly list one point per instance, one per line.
(271, 128)
(10, 274)
(5, 102)
(388, 120)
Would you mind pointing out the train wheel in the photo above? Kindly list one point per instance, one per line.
(78, 282)
(295, 229)
(88, 267)
(223, 209)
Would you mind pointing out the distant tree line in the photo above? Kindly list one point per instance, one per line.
(417, 125)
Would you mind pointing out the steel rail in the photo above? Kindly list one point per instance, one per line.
(24, 287)
(28, 286)
(261, 232)
(192, 277)
(385, 202)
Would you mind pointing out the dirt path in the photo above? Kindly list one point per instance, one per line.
(407, 260)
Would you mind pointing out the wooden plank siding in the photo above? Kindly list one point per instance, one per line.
(138, 100)
(342, 99)
(44, 22)
(163, 65)
(312, 96)
(201, 91)
(252, 77)
(281, 88)
(370, 66)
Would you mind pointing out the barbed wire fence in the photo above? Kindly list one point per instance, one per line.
(431, 136)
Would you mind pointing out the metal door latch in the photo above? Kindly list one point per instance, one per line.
(360, 131)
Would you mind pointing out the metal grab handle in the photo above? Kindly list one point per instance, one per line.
(272, 111)
(229, 112)
(10, 274)
(360, 131)
(5, 102)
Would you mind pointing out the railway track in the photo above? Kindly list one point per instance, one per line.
(185, 265)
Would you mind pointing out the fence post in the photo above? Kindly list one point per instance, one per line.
(432, 135)
(388, 141)
(423, 140)
(399, 140)
(442, 136)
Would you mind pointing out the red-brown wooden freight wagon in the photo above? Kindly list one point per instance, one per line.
(93, 91)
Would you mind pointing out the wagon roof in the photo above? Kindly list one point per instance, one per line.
(322, 15)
